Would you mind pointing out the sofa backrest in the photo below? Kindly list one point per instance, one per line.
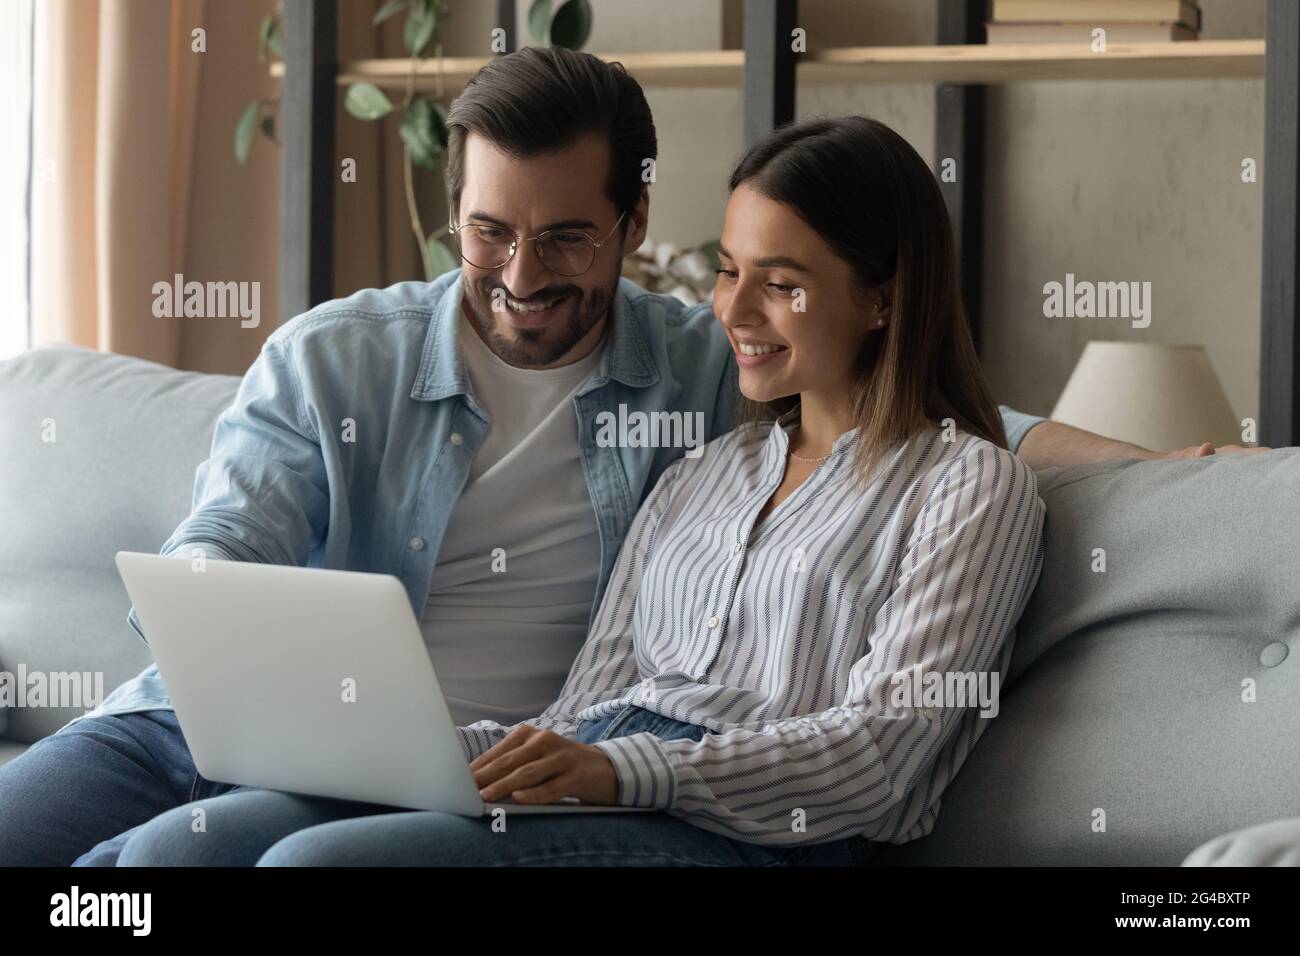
(1127, 731)
(99, 454)
(1152, 705)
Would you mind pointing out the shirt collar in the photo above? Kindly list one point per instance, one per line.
(627, 357)
(778, 439)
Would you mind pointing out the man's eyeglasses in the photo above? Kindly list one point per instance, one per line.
(566, 252)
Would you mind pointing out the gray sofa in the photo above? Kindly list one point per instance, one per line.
(1124, 705)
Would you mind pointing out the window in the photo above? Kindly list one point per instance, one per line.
(16, 44)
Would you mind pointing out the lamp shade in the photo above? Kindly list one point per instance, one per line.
(1158, 396)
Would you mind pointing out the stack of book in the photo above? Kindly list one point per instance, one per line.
(1073, 21)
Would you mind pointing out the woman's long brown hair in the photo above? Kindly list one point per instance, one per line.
(873, 200)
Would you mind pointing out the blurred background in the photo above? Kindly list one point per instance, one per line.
(124, 172)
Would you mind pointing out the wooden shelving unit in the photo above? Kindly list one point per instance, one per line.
(960, 65)
(705, 68)
(986, 65)
(1007, 63)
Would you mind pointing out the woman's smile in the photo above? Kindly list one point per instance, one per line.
(750, 352)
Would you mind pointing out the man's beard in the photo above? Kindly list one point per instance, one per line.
(545, 346)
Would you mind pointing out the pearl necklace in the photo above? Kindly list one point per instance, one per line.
(811, 461)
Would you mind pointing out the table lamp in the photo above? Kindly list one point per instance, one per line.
(1154, 395)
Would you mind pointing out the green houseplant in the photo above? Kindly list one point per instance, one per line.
(423, 126)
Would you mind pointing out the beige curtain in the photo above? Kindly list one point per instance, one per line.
(113, 138)
(135, 180)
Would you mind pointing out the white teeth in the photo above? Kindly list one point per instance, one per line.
(759, 349)
(518, 306)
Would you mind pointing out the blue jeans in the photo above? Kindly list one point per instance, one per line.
(67, 796)
(124, 790)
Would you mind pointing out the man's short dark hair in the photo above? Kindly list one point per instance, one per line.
(541, 99)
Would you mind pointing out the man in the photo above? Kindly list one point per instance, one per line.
(444, 433)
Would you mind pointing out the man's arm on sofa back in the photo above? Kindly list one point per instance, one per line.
(1047, 443)
(1042, 443)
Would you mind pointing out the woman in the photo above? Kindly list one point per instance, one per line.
(759, 665)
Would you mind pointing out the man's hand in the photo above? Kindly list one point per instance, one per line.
(541, 766)
(1207, 448)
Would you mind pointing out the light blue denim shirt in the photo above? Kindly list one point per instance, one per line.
(284, 485)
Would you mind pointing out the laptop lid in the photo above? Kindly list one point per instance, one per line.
(301, 679)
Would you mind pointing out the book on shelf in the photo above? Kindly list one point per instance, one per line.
(1185, 12)
(1082, 32)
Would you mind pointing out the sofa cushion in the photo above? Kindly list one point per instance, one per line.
(1125, 690)
(128, 436)
(1266, 844)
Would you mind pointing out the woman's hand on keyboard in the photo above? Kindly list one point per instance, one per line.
(540, 766)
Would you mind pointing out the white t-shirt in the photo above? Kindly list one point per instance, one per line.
(502, 642)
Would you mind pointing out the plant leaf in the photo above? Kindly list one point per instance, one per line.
(245, 130)
(275, 39)
(264, 36)
(420, 23)
(389, 9)
(571, 25)
(367, 101)
(417, 131)
(438, 258)
(539, 21)
(441, 14)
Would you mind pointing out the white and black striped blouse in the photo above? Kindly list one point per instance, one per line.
(791, 640)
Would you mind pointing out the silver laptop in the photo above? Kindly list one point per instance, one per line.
(305, 680)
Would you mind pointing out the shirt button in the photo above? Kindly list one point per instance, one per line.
(416, 544)
(739, 547)
(713, 621)
(456, 439)
(1273, 654)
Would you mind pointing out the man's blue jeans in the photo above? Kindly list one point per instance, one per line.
(124, 790)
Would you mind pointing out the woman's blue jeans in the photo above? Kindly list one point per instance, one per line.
(124, 790)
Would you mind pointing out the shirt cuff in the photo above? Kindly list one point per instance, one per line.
(1016, 425)
(190, 550)
(645, 773)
